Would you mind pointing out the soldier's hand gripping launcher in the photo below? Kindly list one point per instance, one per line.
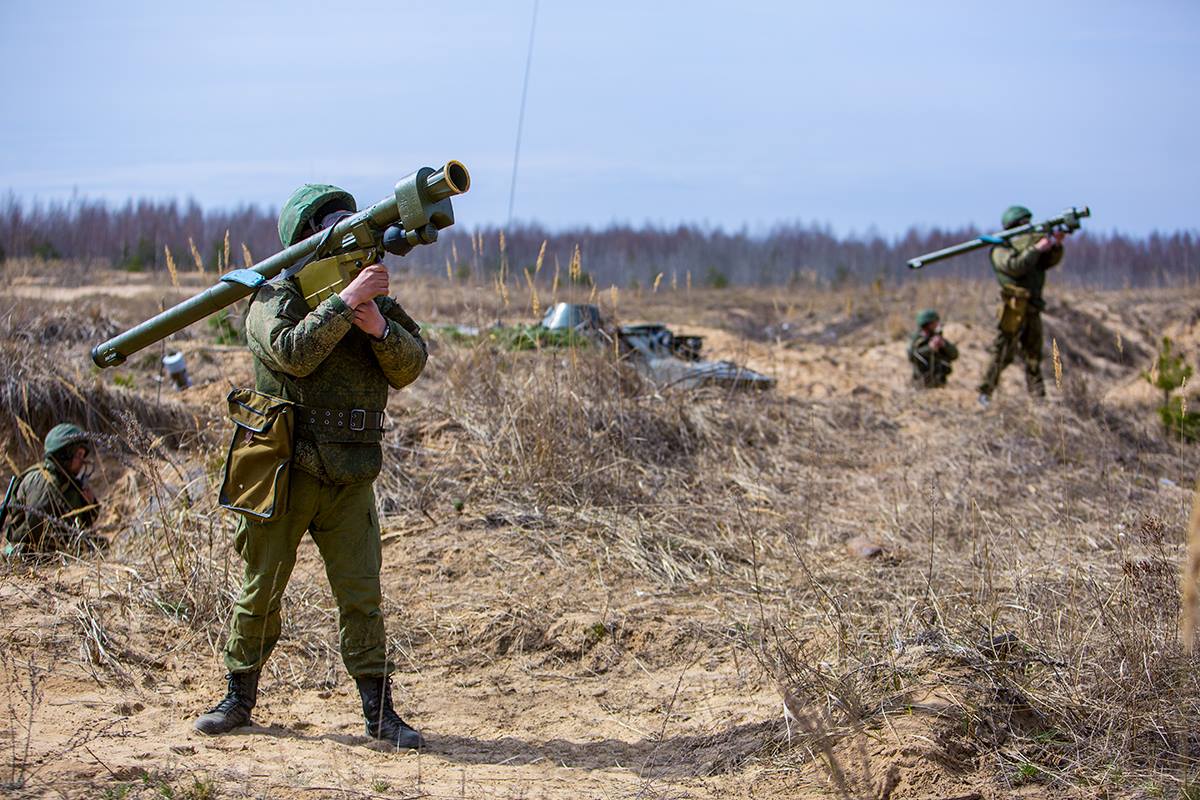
(324, 262)
(1066, 222)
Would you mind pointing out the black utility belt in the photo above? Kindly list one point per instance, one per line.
(354, 419)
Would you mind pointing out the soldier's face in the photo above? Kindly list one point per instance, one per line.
(80, 464)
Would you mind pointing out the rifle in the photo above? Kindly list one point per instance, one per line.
(1066, 222)
(419, 208)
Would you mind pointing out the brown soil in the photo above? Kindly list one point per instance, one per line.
(551, 650)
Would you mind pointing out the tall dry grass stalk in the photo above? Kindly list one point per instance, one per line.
(196, 259)
(1190, 604)
(575, 267)
(1057, 358)
(541, 258)
(174, 273)
(503, 259)
(535, 306)
(502, 290)
(247, 259)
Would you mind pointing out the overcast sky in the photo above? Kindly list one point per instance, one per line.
(858, 114)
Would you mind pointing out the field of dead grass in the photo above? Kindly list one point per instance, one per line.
(597, 589)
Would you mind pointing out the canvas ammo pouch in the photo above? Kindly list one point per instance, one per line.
(258, 465)
(1016, 302)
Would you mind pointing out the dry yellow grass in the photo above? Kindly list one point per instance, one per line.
(596, 588)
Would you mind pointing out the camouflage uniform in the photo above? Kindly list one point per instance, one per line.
(48, 511)
(320, 360)
(1019, 264)
(930, 368)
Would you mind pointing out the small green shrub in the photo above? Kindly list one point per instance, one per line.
(534, 337)
(45, 250)
(137, 259)
(1178, 421)
(515, 337)
(1172, 372)
(716, 279)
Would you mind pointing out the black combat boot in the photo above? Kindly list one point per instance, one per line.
(382, 720)
(234, 710)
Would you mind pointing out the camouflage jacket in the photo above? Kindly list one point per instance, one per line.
(318, 358)
(930, 368)
(1018, 263)
(48, 511)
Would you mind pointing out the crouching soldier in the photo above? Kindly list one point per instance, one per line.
(50, 507)
(930, 352)
(333, 362)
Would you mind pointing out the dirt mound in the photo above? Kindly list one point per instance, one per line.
(35, 395)
(932, 721)
(29, 324)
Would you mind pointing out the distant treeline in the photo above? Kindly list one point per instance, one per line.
(135, 236)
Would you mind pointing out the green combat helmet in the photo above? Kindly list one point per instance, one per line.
(1014, 215)
(63, 436)
(303, 205)
(927, 316)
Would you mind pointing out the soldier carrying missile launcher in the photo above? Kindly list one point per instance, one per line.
(328, 342)
(1020, 264)
(333, 360)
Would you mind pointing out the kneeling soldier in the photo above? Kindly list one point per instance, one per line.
(335, 362)
(929, 352)
(50, 507)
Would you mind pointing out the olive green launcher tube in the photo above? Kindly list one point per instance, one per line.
(1067, 221)
(195, 308)
(420, 199)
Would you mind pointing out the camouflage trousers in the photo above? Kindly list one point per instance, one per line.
(1027, 342)
(344, 524)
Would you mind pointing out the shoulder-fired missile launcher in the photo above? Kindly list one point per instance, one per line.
(323, 263)
(1067, 222)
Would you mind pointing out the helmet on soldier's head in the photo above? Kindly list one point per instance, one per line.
(927, 316)
(304, 205)
(1015, 215)
(64, 436)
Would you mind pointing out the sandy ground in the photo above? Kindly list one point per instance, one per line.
(629, 691)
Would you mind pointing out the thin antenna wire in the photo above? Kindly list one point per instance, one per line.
(512, 189)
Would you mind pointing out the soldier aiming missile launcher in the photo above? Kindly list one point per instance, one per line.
(323, 263)
(1066, 222)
